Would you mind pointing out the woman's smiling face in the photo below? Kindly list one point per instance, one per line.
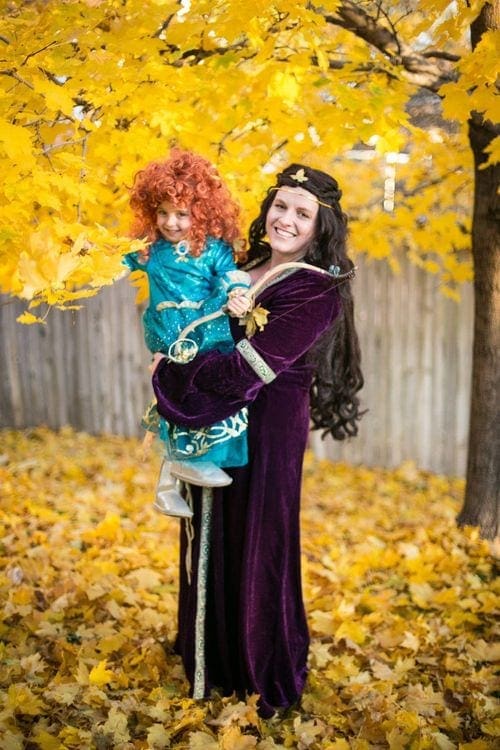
(291, 223)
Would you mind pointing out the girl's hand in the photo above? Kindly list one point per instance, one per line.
(157, 358)
(238, 304)
(143, 256)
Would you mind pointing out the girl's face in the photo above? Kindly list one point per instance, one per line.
(173, 222)
(291, 223)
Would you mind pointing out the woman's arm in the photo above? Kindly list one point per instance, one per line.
(215, 386)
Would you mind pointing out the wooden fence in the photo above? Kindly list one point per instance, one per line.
(88, 368)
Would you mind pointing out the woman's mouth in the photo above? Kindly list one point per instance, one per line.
(285, 233)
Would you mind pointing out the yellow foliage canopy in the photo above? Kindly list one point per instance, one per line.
(92, 89)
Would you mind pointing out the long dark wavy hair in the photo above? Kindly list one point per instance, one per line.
(335, 406)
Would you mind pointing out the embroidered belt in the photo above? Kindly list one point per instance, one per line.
(185, 303)
(255, 361)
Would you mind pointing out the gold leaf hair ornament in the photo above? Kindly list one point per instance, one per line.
(310, 197)
(299, 176)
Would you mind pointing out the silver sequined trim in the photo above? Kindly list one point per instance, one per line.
(201, 594)
(179, 305)
(255, 361)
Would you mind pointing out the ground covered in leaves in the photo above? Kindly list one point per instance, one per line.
(401, 607)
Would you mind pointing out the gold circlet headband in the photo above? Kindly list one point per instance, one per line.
(312, 198)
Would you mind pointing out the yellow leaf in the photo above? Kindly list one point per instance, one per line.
(410, 641)
(243, 714)
(146, 578)
(116, 725)
(15, 141)
(30, 273)
(233, 739)
(99, 675)
(57, 97)
(13, 741)
(202, 741)
(254, 319)
(442, 741)
(47, 741)
(323, 622)
(194, 718)
(408, 721)
(158, 737)
(109, 528)
(493, 150)
(352, 630)
(111, 644)
(139, 280)
(64, 694)
(480, 650)
(283, 85)
(28, 319)
(21, 700)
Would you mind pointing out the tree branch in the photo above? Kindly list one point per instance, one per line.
(14, 74)
(32, 54)
(429, 70)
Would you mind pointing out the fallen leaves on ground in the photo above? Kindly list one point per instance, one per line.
(402, 608)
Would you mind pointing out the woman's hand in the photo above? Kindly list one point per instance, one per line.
(157, 358)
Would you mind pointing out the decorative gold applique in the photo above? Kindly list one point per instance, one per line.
(254, 319)
(256, 362)
(299, 176)
(190, 443)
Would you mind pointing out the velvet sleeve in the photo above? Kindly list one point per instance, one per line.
(214, 386)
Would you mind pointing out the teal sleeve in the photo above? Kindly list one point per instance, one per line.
(131, 260)
(225, 269)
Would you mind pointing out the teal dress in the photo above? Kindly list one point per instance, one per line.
(183, 288)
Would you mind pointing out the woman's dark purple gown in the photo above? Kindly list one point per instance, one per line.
(256, 636)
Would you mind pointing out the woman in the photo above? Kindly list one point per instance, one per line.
(242, 624)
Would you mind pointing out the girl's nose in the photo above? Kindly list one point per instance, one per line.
(170, 220)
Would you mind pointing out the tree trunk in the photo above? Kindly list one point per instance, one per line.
(481, 505)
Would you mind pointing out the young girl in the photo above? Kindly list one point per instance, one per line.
(182, 206)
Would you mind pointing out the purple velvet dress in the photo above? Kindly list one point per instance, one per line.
(255, 636)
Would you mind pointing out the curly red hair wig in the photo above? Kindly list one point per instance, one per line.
(189, 181)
